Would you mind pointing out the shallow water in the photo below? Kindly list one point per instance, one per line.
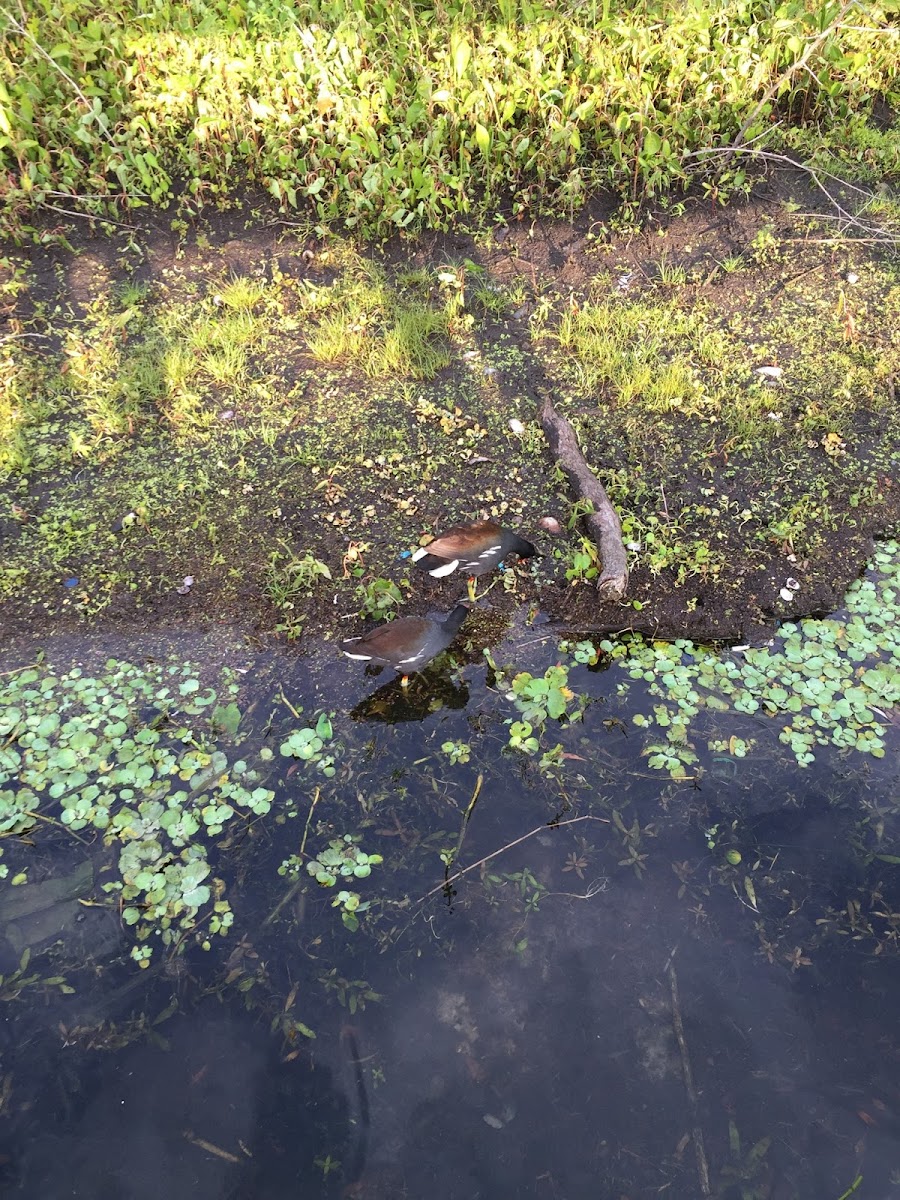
(521, 1032)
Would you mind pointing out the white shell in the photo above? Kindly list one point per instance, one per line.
(786, 594)
(516, 426)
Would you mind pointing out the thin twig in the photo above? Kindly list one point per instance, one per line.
(287, 703)
(665, 505)
(468, 813)
(295, 887)
(14, 337)
(814, 173)
(71, 212)
(696, 1131)
(496, 853)
(52, 821)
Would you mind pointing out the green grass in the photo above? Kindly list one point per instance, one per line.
(388, 117)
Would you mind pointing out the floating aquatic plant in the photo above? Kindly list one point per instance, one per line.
(340, 859)
(132, 754)
(827, 682)
(309, 745)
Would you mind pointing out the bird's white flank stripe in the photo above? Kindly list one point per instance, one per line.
(444, 569)
(415, 658)
(358, 657)
(490, 550)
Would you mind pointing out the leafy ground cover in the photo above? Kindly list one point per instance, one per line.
(245, 420)
(384, 116)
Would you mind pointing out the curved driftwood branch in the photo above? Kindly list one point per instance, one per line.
(603, 523)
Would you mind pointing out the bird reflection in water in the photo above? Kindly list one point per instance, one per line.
(424, 695)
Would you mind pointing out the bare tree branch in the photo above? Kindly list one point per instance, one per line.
(603, 523)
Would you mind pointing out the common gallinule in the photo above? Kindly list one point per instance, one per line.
(475, 549)
(407, 644)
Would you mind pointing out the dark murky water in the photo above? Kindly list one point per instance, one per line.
(521, 1033)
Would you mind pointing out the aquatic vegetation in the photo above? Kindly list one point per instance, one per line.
(457, 752)
(135, 754)
(540, 697)
(308, 744)
(521, 737)
(584, 652)
(340, 859)
(14, 983)
(827, 682)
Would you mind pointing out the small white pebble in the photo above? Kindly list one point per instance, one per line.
(786, 594)
(852, 277)
(550, 524)
(633, 545)
(769, 372)
(516, 426)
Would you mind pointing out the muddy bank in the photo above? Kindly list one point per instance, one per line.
(277, 414)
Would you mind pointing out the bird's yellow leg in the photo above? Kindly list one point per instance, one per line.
(404, 682)
(473, 597)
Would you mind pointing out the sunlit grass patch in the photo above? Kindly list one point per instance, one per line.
(639, 352)
(22, 408)
(366, 322)
(242, 293)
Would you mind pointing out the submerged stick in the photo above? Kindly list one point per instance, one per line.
(295, 887)
(696, 1131)
(494, 854)
(603, 523)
